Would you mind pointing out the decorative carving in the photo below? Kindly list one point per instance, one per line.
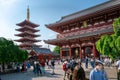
(85, 24)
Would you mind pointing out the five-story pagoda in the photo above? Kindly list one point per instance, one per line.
(27, 33)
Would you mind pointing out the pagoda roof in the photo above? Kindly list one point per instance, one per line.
(39, 50)
(31, 45)
(80, 36)
(26, 33)
(27, 22)
(22, 29)
(27, 39)
(84, 13)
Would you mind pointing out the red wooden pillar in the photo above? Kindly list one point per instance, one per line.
(70, 52)
(94, 50)
(80, 48)
(61, 54)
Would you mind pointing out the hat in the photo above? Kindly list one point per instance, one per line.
(98, 61)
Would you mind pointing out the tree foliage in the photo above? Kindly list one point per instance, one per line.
(9, 52)
(110, 44)
(57, 50)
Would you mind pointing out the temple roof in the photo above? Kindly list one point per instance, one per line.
(28, 45)
(95, 9)
(98, 32)
(27, 34)
(27, 22)
(42, 50)
(27, 39)
(25, 28)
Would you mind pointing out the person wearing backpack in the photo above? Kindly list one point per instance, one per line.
(69, 70)
(42, 66)
(65, 68)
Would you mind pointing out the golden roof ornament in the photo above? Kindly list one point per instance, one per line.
(28, 13)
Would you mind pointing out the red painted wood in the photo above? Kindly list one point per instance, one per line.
(70, 52)
(80, 48)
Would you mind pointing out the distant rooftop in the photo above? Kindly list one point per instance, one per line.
(42, 50)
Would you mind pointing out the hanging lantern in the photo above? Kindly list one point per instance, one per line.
(76, 51)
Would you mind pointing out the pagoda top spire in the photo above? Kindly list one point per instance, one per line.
(28, 14)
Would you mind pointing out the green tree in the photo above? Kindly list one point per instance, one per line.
(9, 52)
(110, 44)
(57, 50)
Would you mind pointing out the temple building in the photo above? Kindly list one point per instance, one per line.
(42, 53)
(78, 32)
(27, 33)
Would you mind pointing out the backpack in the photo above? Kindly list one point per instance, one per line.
(68, 66)
(64, 66)
(73, 64)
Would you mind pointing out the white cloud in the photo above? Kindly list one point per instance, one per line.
(44, 45)
(7, 2)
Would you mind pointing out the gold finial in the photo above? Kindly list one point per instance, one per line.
(28, 13)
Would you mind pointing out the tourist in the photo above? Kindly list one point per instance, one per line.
(107, 62)
(69, 70)
(53, 66)
(24, 67)
(65, 68)
(38, 69)
(110, 60)
(28, 66)
(18, 68)
(73, 63)
(34, 67)
(103, 72)
(96, 73)
(58, 60)
(47, 62)
(43, 66)
(86, 62)
(92, 62)
(78, 72)
(118, 69)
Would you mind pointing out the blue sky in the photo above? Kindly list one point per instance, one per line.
(41, 12)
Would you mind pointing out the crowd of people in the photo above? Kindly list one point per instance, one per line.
(73, 70)
(38, 66)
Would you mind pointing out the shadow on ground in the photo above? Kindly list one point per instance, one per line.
(28, 76)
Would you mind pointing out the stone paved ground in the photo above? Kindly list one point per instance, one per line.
(30, 75)
(58, 76)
